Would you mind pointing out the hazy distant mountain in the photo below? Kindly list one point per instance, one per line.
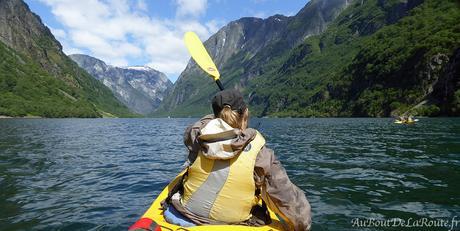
(38, 79)
(141, 89)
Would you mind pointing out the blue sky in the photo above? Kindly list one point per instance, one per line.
(146, 32)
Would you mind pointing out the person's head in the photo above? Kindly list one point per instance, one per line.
(230, 107)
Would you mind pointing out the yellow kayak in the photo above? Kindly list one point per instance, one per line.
(406, 122)
(153, 219)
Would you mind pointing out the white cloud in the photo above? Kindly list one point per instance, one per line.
(214, 25)
(71, 50)
(58, 33)
(61, 35)
(192, 8)
(141, 5)
(120, 30)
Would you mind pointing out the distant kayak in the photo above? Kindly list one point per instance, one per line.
(153, 219)
(405, 122)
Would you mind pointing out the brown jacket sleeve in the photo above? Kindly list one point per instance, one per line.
(281, 195)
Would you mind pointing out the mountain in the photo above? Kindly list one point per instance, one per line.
(38, 79)
(377, 58)
(335, 58)
(240, 47)
(141, 89)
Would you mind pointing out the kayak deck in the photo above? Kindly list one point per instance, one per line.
(153, 218)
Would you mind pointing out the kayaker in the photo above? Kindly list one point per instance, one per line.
(229, 168)
(410, 119)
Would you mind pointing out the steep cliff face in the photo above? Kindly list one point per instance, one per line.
(141, 89)
(445, 91)
(240, 48)
(24, 31)
(336, 58)
(24, 36)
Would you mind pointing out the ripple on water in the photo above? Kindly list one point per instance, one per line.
(102, 174)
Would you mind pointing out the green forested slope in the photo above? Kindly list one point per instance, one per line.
(38, 79)
(374, 60)
(28, 90)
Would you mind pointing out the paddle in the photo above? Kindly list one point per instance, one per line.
(200, 55)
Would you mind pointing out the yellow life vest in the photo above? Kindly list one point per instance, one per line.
(223, 190)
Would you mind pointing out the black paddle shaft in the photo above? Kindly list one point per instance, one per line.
(219, 84)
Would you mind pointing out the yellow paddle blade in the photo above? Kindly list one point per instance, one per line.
(200, 55)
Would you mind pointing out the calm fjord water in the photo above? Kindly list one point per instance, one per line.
(102, 174)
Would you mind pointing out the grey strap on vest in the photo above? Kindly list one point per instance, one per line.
(203, 198)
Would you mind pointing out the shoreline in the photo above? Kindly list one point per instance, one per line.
(154, 117)
(24, 117)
